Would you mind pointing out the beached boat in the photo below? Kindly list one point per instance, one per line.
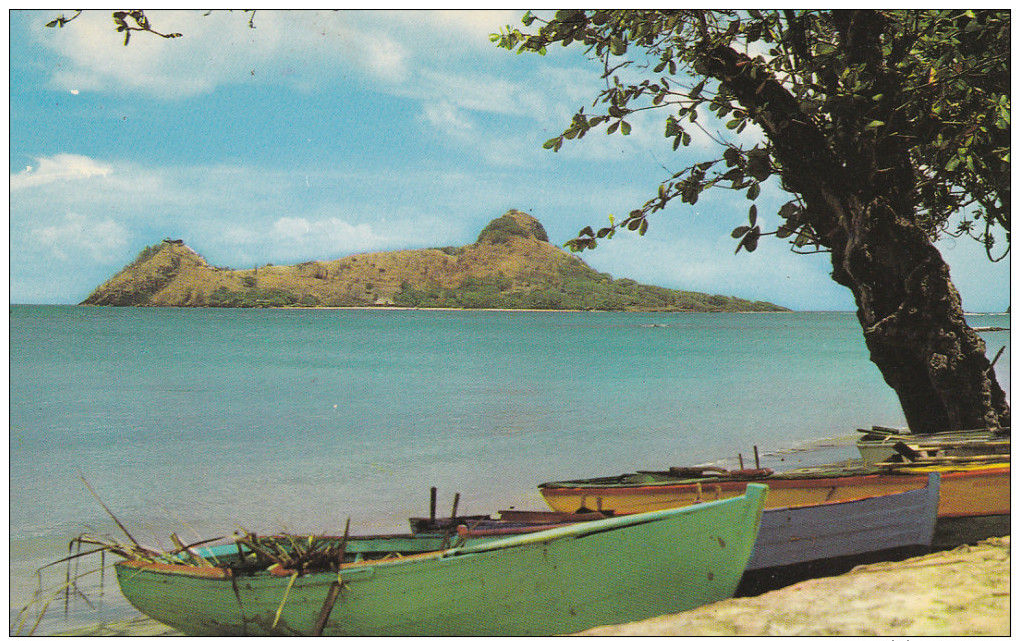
(795, 543)
(556, 581)
(878, 443)
(967, 490)
(511, 521)
(976, 503)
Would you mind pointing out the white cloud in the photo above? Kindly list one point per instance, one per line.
(285, 239)
(59, 168)
(299, 49)
(77, 233)
(479, 92)
(302, 49)
(449, 120)
(331, 233)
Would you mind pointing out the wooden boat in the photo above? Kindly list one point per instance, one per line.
(878, 443)
(796, 543)
(422, 525)
(976, 505)
(425, 525)
(967, 490)
(512, 521)
(557, 581)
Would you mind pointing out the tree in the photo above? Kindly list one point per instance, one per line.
(885, 126)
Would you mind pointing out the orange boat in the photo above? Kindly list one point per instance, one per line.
(968, 490)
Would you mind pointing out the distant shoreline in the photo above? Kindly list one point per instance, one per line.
(475, 309)
(458, 309)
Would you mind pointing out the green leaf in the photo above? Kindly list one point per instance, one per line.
(752, 215)
(758, 164)
(624, 127)
(553, 143)
(740, 231)
(731, 156)
(751, 240)
(753, 191)
(788, 210)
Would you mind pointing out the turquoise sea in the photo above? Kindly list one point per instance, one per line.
(201, 421)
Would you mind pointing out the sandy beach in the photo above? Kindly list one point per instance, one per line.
(959, 592)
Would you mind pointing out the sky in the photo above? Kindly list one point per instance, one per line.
(317, 135)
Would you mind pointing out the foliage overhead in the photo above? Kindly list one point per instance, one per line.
(856, 86)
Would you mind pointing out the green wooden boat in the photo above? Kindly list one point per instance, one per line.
(557, 581)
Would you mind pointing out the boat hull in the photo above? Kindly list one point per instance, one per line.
(557, 581)
(792, 535)
(978, 490)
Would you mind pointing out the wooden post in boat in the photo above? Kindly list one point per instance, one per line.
(432, 506)
(757, 464)
(456, 500)
(334, 588)
(740, 457)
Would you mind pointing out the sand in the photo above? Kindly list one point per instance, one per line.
(959, 592)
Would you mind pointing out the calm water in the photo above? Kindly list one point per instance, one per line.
(202, 421)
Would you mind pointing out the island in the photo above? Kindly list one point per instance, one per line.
(512, 265)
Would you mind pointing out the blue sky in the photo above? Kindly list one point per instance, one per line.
(319, 135)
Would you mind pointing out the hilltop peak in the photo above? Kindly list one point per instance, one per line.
(513, 223)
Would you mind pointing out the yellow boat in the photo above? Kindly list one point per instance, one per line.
(967, 489)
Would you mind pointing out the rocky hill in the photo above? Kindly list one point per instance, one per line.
(512, 265)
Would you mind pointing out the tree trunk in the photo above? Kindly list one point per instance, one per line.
(859, 203)
(914, 325)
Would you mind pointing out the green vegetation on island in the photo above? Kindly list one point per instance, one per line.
(511, 265)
